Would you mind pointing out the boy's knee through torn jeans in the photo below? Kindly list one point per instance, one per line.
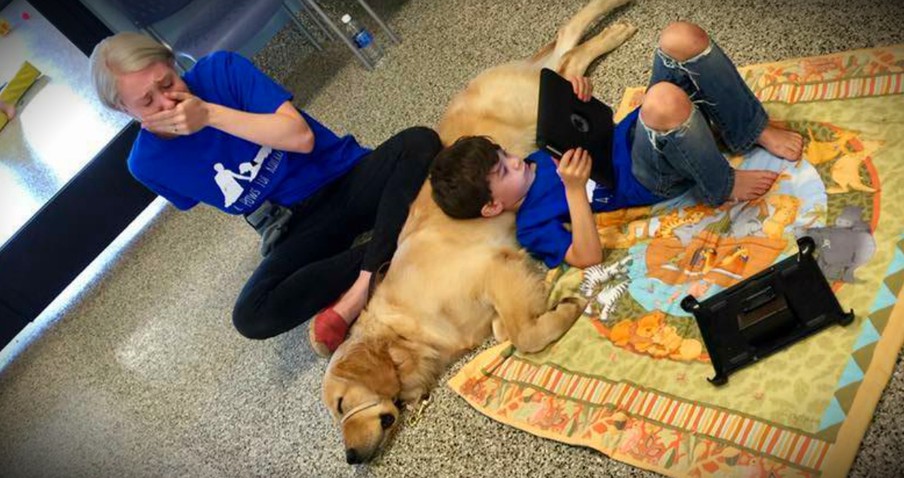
(671, 162)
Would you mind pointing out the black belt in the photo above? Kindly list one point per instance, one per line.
(271, 222)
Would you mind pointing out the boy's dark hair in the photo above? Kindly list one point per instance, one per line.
(459, 176)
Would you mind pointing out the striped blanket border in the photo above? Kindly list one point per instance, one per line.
(791, 93)
(794, 447)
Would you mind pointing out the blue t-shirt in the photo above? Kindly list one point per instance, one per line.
(541, 219)
(228, 172)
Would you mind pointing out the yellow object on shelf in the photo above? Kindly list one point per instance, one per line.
(17, 86)
(5, 27)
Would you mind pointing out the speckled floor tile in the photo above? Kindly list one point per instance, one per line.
(144, 375)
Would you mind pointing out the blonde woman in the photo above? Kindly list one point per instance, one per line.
(226, 135)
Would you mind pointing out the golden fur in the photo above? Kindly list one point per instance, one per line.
(453, 283)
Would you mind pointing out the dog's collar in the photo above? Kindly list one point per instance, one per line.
(358, 409)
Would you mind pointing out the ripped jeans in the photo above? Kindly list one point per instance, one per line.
(688, 157)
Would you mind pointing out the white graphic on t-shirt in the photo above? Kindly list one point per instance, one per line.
(228, 180)
(255, 165)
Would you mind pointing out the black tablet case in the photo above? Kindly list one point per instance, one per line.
(766, 312)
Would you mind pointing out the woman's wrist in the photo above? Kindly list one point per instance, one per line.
(214, 115)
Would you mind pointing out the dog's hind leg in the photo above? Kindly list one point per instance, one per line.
(575, 61)
(570, 34)
(519, 296)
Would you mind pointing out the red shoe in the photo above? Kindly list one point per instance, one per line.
(327, 332)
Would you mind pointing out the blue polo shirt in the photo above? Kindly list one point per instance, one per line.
(541, 219)
(228, 172)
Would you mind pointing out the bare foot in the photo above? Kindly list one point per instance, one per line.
(781, 142)
(752, 183)
(353, 301)
(8, 109)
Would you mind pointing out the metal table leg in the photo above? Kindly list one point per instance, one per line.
(304, 31)
(370, 11)
(315, 19)
(339, 34)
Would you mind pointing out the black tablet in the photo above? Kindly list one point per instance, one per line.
(565, 122)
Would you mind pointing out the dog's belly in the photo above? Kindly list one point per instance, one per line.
(441, 310)
(435, 287)
(457, 332)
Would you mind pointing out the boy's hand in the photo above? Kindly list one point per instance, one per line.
(583, 89)
(574, 169)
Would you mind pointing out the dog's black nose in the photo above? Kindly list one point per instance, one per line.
(386, 420)
(351, 456)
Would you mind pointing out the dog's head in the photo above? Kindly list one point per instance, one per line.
(361, 390)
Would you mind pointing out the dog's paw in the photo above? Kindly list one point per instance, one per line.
(620, 31)
(613, 4)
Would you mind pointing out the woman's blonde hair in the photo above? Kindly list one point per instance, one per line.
(125, 52)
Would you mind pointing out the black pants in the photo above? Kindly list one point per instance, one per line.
(313, 263)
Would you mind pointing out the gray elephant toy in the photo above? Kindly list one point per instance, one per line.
(843, 247)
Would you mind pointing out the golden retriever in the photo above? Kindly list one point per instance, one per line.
(452, 283)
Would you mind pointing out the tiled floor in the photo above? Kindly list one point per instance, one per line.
(144, 375)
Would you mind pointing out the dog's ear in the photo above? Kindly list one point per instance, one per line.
(369, 363)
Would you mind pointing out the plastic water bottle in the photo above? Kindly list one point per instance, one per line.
(363, 39)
